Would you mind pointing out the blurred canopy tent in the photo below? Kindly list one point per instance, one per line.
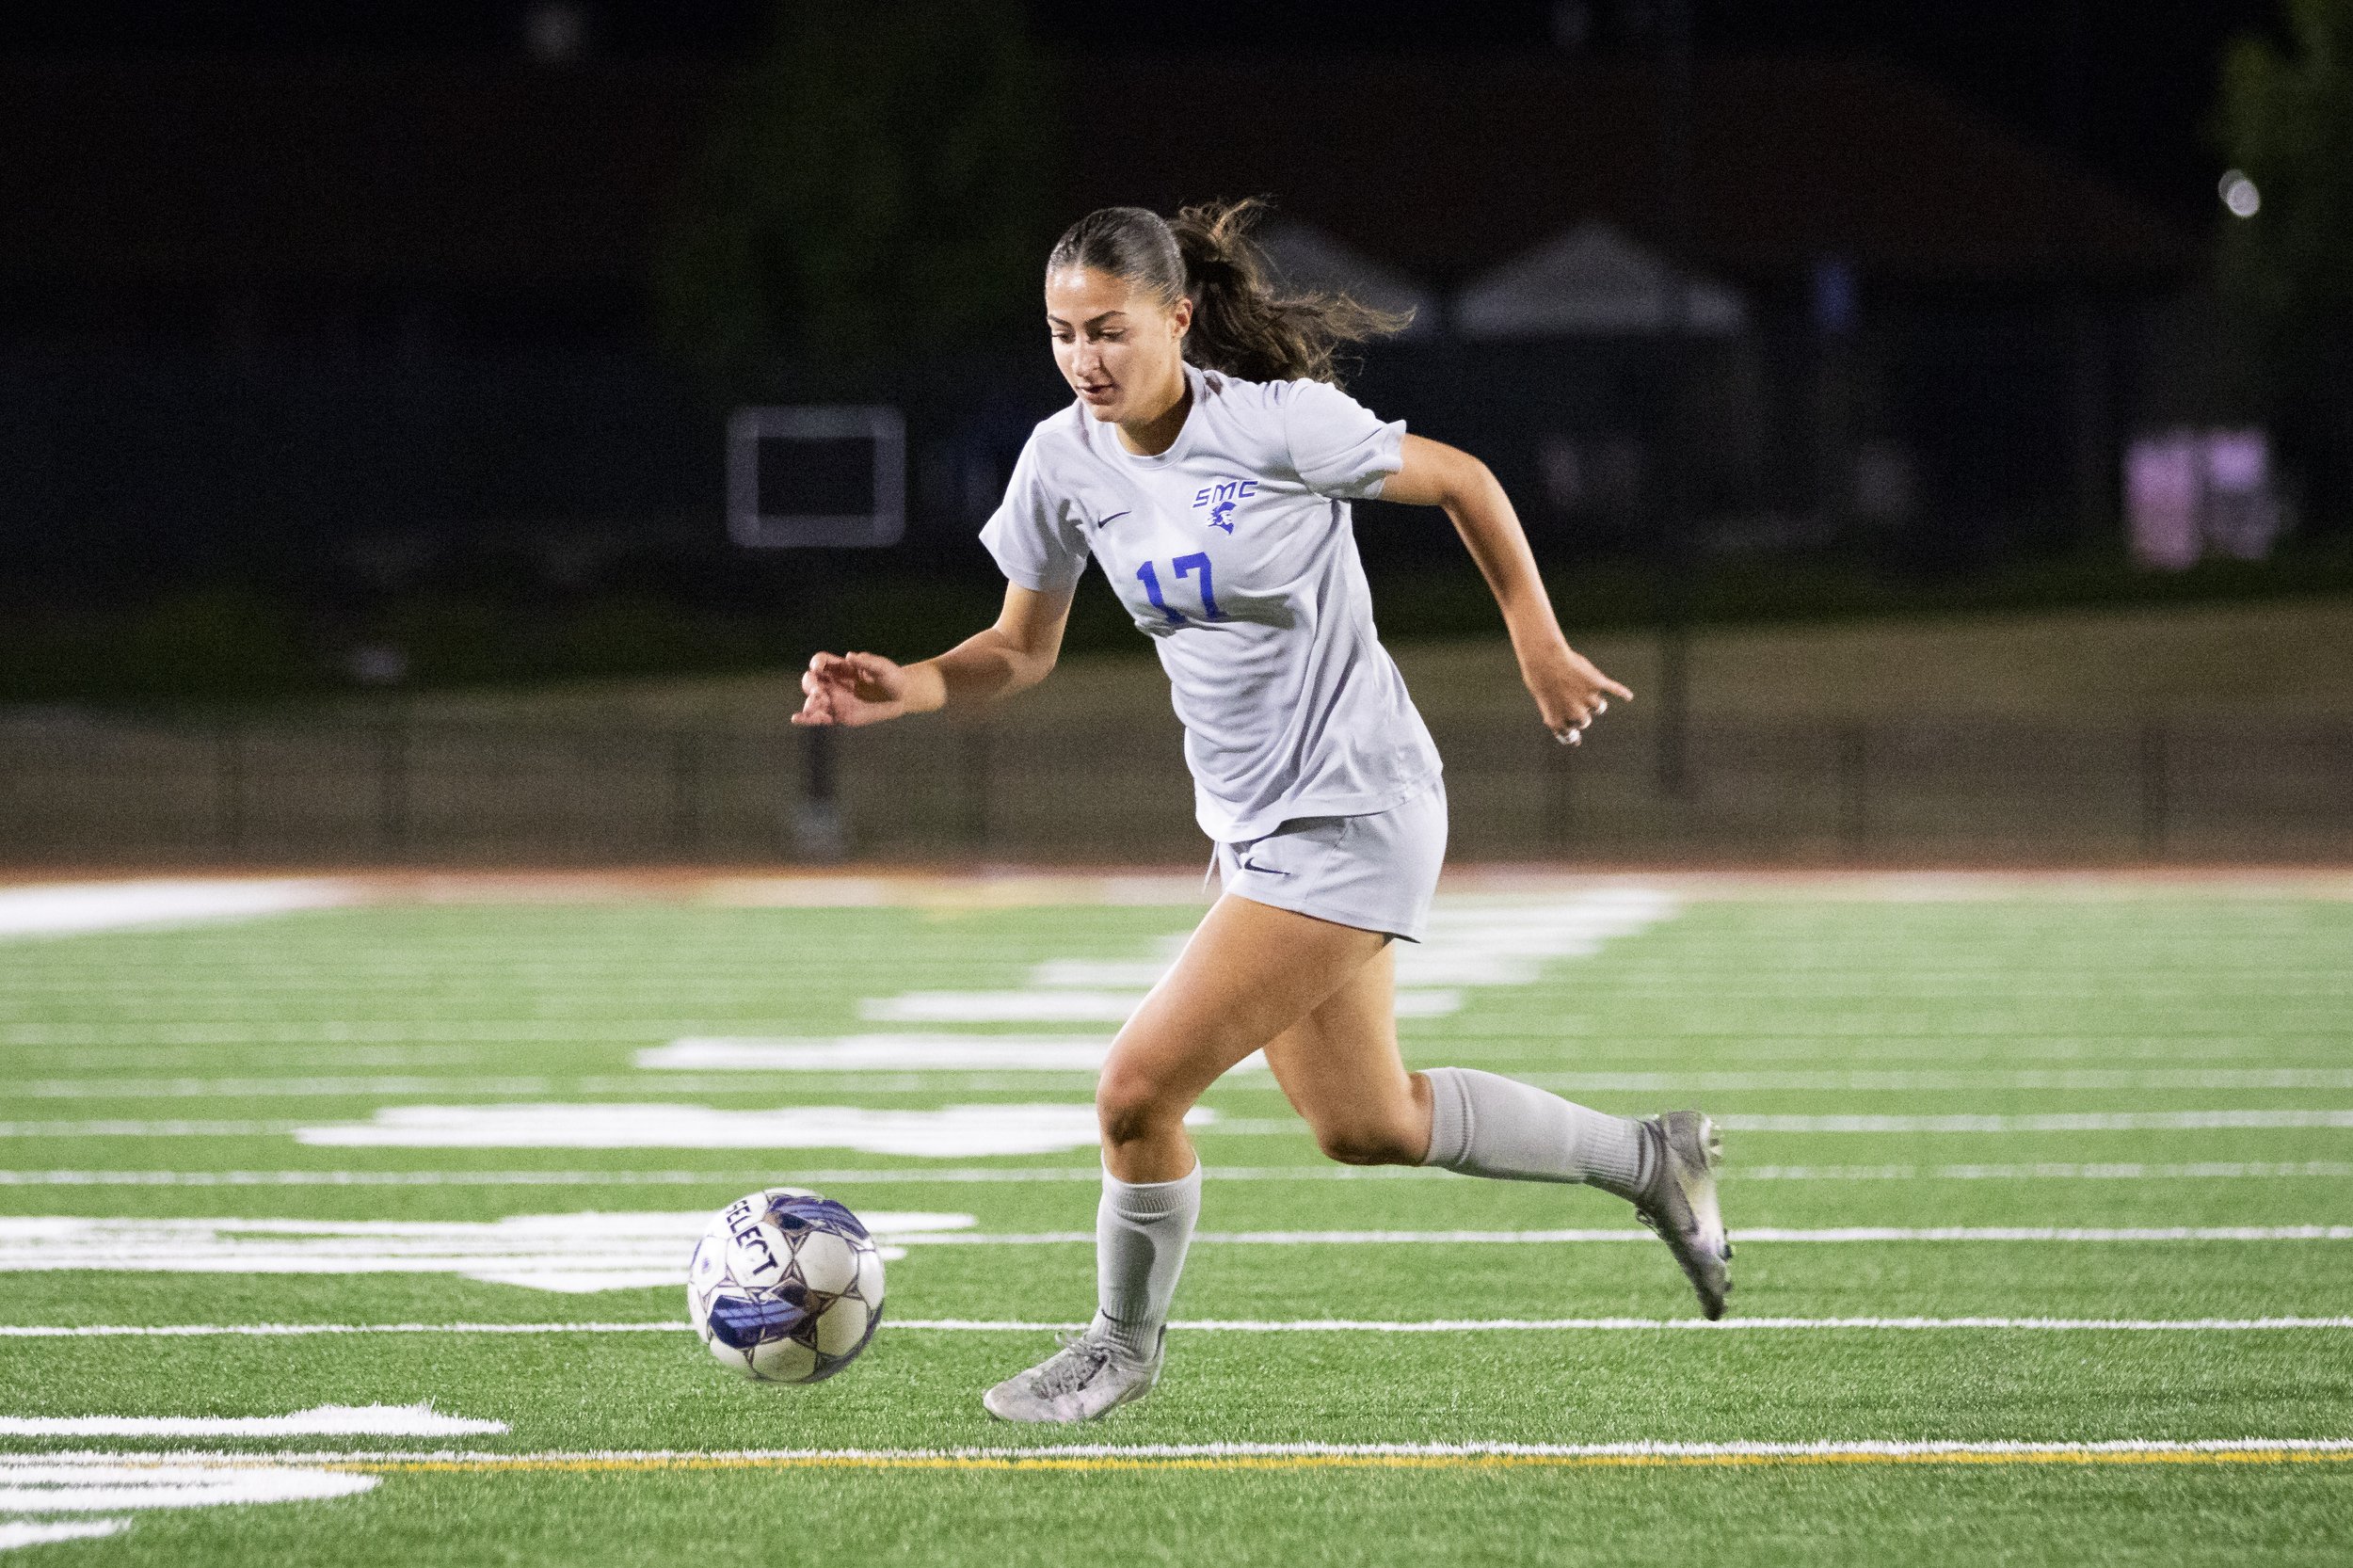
(1594, 281)
(1307, 258)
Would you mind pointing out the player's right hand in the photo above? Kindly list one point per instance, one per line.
(851, 689)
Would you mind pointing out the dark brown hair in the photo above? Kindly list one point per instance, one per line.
(1242, 323)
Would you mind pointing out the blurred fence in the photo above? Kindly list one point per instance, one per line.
(390, 789)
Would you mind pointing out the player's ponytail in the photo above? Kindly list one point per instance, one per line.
(1242, 323)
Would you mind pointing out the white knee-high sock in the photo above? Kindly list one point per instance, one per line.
(1483, 1124)
(1141, 1231)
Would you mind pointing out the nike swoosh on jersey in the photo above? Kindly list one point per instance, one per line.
(1104, 522)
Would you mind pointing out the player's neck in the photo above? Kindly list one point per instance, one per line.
(1149, 438)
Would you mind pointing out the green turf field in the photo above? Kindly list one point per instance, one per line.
(2042, 1192)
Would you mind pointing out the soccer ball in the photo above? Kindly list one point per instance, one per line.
(785, 1287)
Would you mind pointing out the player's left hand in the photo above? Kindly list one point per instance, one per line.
(1570, 691)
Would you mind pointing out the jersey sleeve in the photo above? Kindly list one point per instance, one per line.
(1338, 448)
(1033, 534)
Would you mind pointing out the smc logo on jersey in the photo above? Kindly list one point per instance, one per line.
(1222, 498)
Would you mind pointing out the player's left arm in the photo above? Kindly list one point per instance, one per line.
(1568, 690)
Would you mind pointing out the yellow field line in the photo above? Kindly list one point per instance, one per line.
(600, 1464)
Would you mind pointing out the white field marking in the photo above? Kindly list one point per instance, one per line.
(1468, 942)
(327, 1420)
(1911, 1081)
(327, 1059)
(29, 1532)
(1646, 1325)
(1248, 1325)
(2215, 1169)
(77, 1483)
(270, 1088)
(1090, 1176)
(70, 909)
(898, 1052)
(2210, 1170)
(1038, 1006)
(991, 1129)
(1763, 1233)
(952, 1131)
(397, 1088)
(2119, 1449)
(333, 1032)
(582, 1253)
(572, 1254)
(1007, 890)
(2056, 1121)
(1086, 1054)
(602, 1028)
(1413, 968)
(115, 1128)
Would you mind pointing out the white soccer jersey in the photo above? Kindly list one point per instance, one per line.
(1234, 552)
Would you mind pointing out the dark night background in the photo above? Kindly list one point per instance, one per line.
(2127, 87)
(457, 418)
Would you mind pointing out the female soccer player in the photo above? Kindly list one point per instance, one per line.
(1208, 464)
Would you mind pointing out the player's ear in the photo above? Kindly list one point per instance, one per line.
(1181, 313)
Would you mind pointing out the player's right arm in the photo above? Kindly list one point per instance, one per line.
(854, 689)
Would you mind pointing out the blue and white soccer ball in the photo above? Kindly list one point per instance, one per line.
(785, 1287)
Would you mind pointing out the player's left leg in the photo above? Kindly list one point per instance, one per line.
(1340, 1068)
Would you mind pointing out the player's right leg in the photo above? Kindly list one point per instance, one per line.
(1250, 972)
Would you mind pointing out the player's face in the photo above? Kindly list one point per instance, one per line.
(1120, 349)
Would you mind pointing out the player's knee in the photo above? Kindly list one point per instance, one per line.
(1131, 1107)
(1366, 1143)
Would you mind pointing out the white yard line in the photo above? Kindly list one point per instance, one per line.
(957, 1053)
(78, 1483)
(1915, 1080)
(1092, 1176)
(269, 1088)
(31, 1532)
(123, 1129)
(73, 909)
(1830, 1235)
(571, 1254)
(955, 1060)
(1470, 943)
(904, 1052)
(535, 1178)
(2212, 1170)
(1071, 1007)
(945, 1132)
(1250, 1325)
(327, 1420)
(586, 1253)
(602, 1028)
(1328, 1325)
(963, 1132)
(404, 1087)
(2055, 1121)
(1647, 1449)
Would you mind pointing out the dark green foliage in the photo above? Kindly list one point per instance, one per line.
(875, 187)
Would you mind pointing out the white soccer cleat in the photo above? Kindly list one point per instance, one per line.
(1078, 1382)
(1680, 1204)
